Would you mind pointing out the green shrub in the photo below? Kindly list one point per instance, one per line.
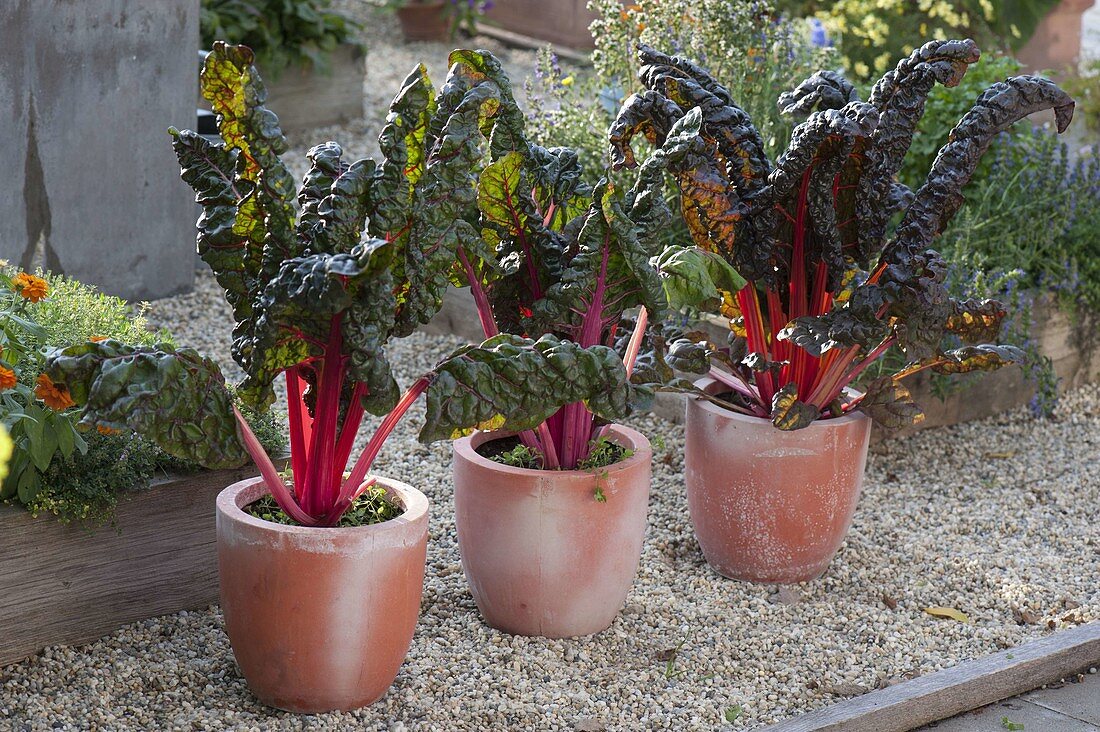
(282, 33)
(873, 34)
(57, 467)
(1038, 211)
(756, 52)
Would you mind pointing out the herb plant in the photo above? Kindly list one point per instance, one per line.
(317, 293)
(829, 287)
(281, 33)
(32, 408)
(81, 482)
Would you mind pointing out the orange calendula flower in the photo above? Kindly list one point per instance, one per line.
(55, 397)
(97, 339)
(105, 430)
(7, 378)
(31, 287)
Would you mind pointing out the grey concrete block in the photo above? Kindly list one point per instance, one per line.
(91, 187)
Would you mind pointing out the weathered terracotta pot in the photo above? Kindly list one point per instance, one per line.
(542, 555)
(424, 20)
(768, 505)
(320, 619)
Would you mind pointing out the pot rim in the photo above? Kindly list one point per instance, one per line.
(231, 500)
(706, 382)
(465, 447)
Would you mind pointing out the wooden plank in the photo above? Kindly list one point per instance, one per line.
(969, 685)
(67, 584)
(519, 40)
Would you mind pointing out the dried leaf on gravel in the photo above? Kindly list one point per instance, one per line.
(667, 654)
(847, 689)
(786, 596)
(1026, 616)
(1004, 455)
(948, 613)
(889, 602)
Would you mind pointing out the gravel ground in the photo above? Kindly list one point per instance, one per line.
(998, 519)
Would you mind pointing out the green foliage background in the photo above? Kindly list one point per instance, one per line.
(86, 486)
(282, 32)
(874, 34)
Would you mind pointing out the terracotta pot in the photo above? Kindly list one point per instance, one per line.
(542, 555)
(424, 21)
(768, 505)
(320, 619)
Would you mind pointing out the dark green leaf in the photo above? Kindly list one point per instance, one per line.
(177, 399)
(515, 383)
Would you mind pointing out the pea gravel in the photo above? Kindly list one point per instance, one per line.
(998, 519)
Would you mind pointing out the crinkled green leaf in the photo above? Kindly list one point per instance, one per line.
(175, 398)
(265, 211)
(985, 357)
(609, 273)
(696, 278)
(514, 383)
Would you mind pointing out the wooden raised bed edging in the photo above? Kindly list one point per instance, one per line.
(958, 689)
(68, 584)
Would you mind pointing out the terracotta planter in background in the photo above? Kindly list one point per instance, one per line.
(424, 21)
(542, 555)
(320, 619)
(768, 505)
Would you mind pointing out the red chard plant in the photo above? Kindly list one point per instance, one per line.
(562, 262)
(829, 283)
(319, 281)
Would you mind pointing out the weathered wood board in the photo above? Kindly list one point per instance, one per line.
(969, 685)
(67, 584)
(557, 21)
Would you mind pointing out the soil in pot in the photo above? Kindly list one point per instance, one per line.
(511, 451)
(550, 552)
(372, 507)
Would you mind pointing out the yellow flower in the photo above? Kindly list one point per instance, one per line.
(7, 378)
(567, 81)
(6, 448)
(31, 287)
(56, 397)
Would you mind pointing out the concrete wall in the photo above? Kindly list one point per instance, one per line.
(90, 186)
